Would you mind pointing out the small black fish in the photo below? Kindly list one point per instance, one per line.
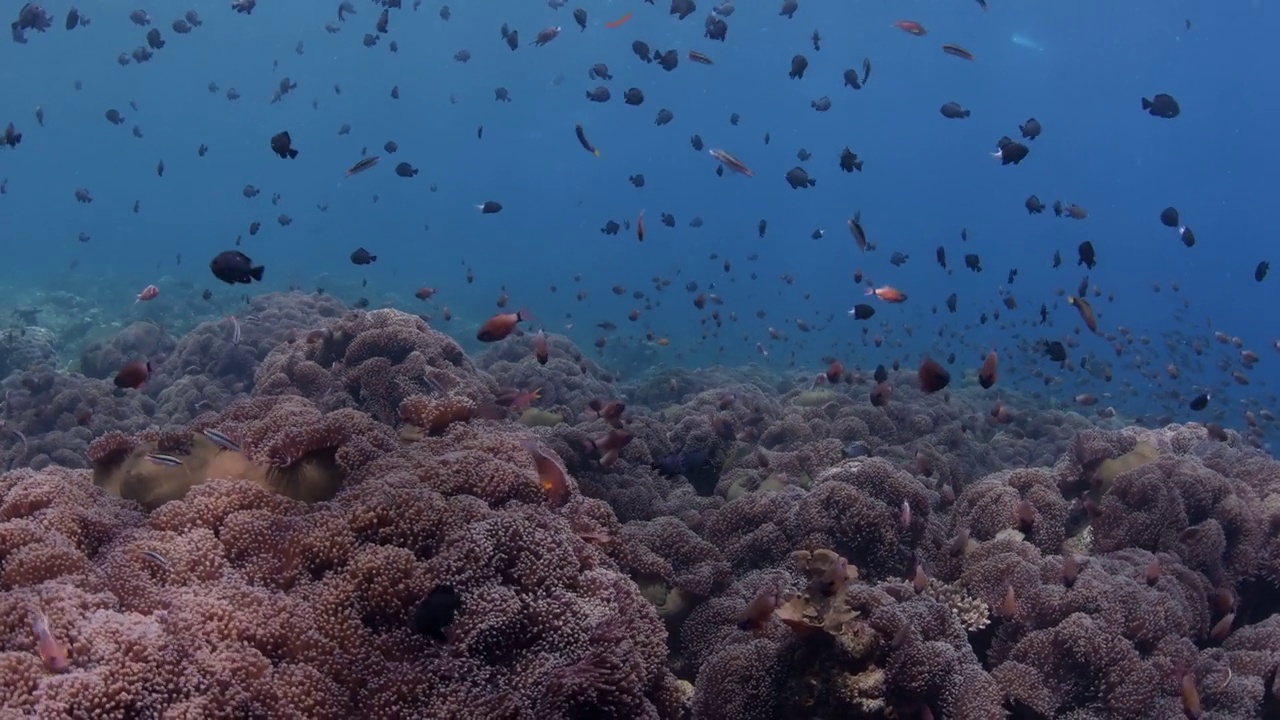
(1162, 106)
(1086, 255)
(1030, 129)
(973, 262)
(580, 17)
(862, 311)
(1056, 351)
(1033, 205)
(1010, 151)
(849, 161)
(405, 170)
(436, 612)
(798, 178)
(489, 207)
(1199, 402)
(953, 111)
(1260, 272)
(1169, 217)
(362, 257)
(282, 145)
(799, 64)
(633, 96)
(233, 266)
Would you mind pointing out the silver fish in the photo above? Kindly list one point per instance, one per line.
(155, 557)
(221, 440)
(167, 460)
(235, 331)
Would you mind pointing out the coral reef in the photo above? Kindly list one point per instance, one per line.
(341, 514)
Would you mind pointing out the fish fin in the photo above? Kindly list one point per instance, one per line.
(292, 153)
(256, 272)
(1146, 104)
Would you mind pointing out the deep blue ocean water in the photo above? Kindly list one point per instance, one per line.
(925, 177)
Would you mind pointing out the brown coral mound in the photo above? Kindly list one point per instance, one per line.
(372, 361)
(233, 601)
(289, 447)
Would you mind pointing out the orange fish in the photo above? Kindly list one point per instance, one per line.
(499, 326)
(911, 26)
(987, 373)
(424, 293)
(618, 22)
(550, 476)
(1086, 312)
(887, 294)
(640, 226)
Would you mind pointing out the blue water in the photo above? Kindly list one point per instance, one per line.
(925, 177)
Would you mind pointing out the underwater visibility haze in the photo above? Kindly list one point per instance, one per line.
(638, 359)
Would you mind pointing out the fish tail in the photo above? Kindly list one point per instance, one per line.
(256, 272)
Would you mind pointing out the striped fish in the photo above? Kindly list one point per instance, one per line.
(235, 330)
(221, 440)
(166, 460)
(155, 557)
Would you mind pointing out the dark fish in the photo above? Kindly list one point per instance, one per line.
(580, 17)
(822, 104)
(973, 262)
(1086, 255)
(1260, 272)
(1056, 351)
(799, 64)
(233, 266)
(1033, 205)
(941, 255)
(1162, 106)
(633, 96)
(1169, 217)
(405, 170)
(436, 611)
(1199, 402)
(282, 145)
(599, 71)
(862, 311)
(851, 79)
(849, 161)
(362, 164)
(957, 51)
(641, 49)
(789, 8)
(1187, 236)
(696, 142)
(1010, 151)
(664, 116)
(637, 180)
(489, 207)
(953, 111)
(599, 94)
(360, 256)
(798, 178)
(1030, 129)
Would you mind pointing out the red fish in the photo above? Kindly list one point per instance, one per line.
(987, 373)
(134, 375)
(148, 293)
(499, 326)
(619, 21)
(887, 294)
(425, 293)
(911, 26)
